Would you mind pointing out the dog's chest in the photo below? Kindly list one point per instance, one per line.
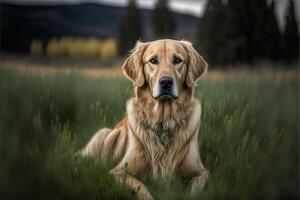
(162, 137)
(161, 149)
(164, 134)
(165, 165)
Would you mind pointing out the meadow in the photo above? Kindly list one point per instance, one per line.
(249, 137)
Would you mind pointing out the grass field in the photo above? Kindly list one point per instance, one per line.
(249, 137)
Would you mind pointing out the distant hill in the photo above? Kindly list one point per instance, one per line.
(20, 24)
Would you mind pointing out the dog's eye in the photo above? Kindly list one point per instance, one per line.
(154, 61)
(176, 60)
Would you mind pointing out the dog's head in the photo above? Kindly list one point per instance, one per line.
(167, 67)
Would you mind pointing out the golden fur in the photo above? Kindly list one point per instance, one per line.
(157, 138)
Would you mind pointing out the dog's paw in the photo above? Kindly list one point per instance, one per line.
(198, 183)
(144, 194)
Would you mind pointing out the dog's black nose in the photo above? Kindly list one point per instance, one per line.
(166, 82)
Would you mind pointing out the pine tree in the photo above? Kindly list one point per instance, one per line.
(207, 40)
(130, 28)
(273, 37)
(164, 24)
(291, 35)
(219, 38)
(239, 31)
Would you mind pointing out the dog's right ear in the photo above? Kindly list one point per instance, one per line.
(133, 67)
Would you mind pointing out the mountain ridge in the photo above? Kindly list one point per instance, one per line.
(20, 24)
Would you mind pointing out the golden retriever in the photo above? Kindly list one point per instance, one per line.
(159, 136)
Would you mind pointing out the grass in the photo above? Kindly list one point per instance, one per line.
(249, 138)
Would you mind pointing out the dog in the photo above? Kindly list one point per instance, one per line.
(159, 135)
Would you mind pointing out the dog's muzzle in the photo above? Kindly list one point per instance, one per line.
(166, 89)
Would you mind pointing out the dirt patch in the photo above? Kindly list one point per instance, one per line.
(48, 70)
(29, 67)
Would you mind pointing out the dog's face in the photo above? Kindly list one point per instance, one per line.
(166, 66)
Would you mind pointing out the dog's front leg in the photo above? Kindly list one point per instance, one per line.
(198, 182)
(135, 184)
(132, 163)
(192, 166)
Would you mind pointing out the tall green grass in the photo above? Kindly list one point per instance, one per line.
(249, 139)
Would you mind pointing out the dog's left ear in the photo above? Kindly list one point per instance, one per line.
(196, 64)
(133, 67)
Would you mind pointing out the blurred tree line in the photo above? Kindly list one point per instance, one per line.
(163, 23)
(82, 47)
(230, 31)
(236, 31)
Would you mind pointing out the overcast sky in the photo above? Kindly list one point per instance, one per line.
(193, 7)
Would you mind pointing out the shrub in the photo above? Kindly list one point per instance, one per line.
(53, 47)
(83, 47)
(109, 49)
(36, 47)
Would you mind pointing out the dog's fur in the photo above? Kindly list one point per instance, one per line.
(157, 138)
